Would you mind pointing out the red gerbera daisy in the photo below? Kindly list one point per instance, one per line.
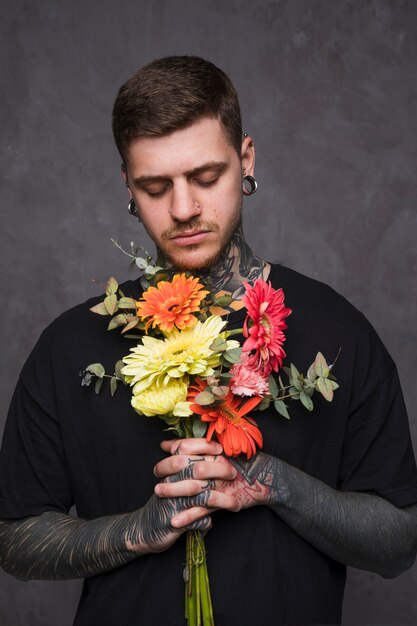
(171, 303)
(267, 313)
(226, 420)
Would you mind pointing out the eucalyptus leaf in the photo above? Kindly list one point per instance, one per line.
(218, 345)
(118, 369)
(113, 385)
(199, 428)
(130, 325)
(141, 263)
(98, 385)
(294, 392)
(273, 387)
(112, 286)
(127, 303)
(306, 401)
(204, 398)
(281, 407)
(110, 302)
(232, 355)
(220, 392)
(224, 300)
(296, 382)
(312, 374)
(97, 369)
(264, 404)
(100, 309)
(324, 385)
(320, 365)
(294, 371)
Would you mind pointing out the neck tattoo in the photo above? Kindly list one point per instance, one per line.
(237, 264)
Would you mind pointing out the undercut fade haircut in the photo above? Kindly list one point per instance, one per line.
(172, 93)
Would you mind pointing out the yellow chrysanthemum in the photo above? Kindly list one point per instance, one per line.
(157, 361)
(160, 400)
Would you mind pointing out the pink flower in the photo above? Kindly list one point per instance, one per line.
(264, 326)
(247, 381)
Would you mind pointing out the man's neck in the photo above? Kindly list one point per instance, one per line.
(237, 264)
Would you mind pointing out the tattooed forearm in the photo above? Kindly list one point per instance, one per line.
(358, 529)
(55, 546)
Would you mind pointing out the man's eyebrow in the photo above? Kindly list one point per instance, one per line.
(218, 166)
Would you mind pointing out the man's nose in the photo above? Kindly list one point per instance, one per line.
(184, 204)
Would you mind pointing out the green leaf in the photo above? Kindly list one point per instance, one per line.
(224, 300)
(281, 407)
(111, 303)
(306, 401)
(100, 309)
(204, 398)
(112, 286)
(324, 385)
(320, 365)
(199, 428)
(118, 369)
(218, 345)
(97, 369)
(294, 392)
(262, 406)
(127, 303)
(220, 392)
(98, 385)
(296, 382)
(113, 385)
(273, 387)
(118, 320)
(312, 374)
(232, 355)
(130, 325)
(141, 263)
(294, 371)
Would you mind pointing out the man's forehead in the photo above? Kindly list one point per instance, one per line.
(201, 145)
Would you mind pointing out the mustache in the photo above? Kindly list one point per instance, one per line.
(193, 224)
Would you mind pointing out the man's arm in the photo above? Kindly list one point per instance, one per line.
(358, 529)
(56, 546)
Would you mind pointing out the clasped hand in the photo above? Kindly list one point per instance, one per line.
(203, 479)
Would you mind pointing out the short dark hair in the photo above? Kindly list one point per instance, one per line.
(172, 93)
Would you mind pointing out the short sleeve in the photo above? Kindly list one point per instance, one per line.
(378, 455)
(33, 474)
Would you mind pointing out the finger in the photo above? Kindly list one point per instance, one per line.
(205, 523)
(189, 517)
(183, 488)
(175, 468)
(191, 446)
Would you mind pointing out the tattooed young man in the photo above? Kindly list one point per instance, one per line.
(333, 489)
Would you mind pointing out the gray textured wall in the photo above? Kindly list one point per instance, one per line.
(328, 91)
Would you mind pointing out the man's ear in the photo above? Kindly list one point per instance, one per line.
(248, 155)
(123, 171)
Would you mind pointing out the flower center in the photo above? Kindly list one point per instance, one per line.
(230, 414)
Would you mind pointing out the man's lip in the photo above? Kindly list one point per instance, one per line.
(189, 238)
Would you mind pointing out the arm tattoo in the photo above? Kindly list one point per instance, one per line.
(54, 546)
(358, 529)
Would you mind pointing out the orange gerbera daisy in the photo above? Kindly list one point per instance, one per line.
(171, 303)
(226, 420)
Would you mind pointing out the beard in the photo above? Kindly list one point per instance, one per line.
(208, 263)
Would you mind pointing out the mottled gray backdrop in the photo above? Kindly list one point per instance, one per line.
(328, 91)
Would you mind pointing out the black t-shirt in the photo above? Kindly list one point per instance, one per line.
(63, 444)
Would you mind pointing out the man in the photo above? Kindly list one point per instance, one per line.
(335, 487)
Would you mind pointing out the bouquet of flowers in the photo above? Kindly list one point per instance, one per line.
(187, 370)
